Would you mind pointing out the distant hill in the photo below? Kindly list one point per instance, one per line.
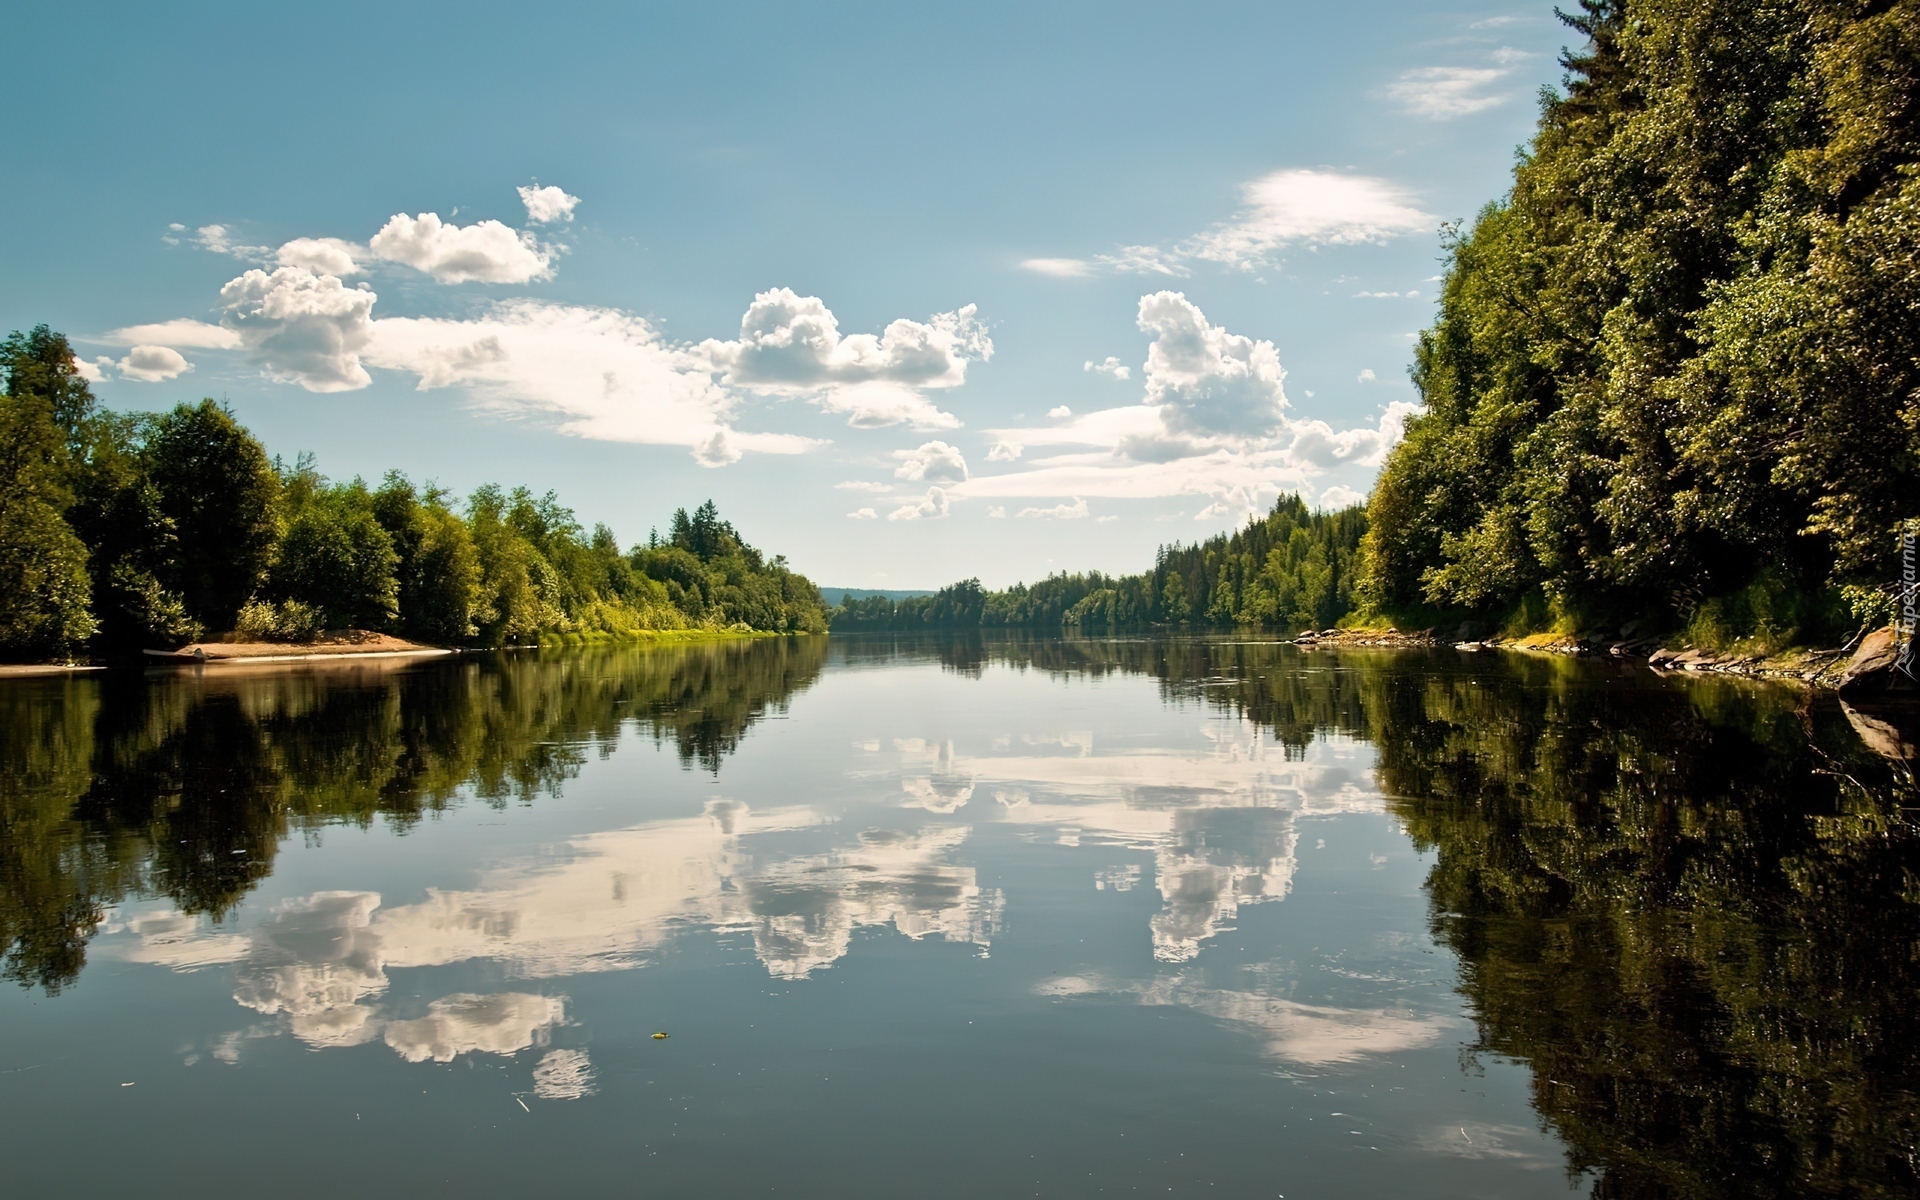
(834, 595)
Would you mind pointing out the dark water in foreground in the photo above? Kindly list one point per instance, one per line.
(953, 919)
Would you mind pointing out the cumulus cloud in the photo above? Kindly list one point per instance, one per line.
(485, 252)
(1367, 376)
(153, 364)
(863, 514)
(180, 333)
(1443, 93)
(1112, 367)
(935, 505)
(545, 205)
(303, 327)
(325, 256)
(1059, 412)
(792, 344)
(1340, 497)
(1205, 380)
(933, 462)
(92, 372)
(1212, 421)
(1059, 512)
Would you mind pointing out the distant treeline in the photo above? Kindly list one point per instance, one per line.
(1674, 374)
(120, 532)
(1292, 569)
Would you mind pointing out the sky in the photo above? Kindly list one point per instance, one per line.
(913, 292)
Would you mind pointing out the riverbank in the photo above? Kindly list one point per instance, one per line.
(1815, 667)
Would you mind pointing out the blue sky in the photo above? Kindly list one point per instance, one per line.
(914, 292)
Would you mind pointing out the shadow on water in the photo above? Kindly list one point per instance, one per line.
(1690, 905)
(183, 784)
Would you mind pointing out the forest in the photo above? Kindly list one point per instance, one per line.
(128, 531)
(1673, 377)
(1293, 569)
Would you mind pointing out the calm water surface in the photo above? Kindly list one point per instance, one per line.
(953, 918)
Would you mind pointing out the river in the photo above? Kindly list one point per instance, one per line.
(953, 917)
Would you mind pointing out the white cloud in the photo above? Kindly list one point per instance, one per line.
(219, 239)
(933, 462)
(1146, 260)
(881, 404)
(1340, 497)
(1313, 208)
(1408, 295)
(304, 328)
(1059, 512)
(934, 506)
(326, 256)
(181, 332)
(1212, 422)
(997, 511)
(153, 364)
(92, 372)
(1112, 367)
(863, 514)
(486, 252)
(862, 485)
(1205, 380)
(1293, 207)
(1367, 376)
(1059, 268)
(545, 205)
(1443, 93)
(604, 373)
(791, 343)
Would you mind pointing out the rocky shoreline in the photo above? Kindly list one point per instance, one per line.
(1865, 668)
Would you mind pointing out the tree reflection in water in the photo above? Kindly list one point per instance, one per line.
(1691, 906)
(183, 785)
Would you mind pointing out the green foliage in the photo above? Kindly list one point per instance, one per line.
(1678, 353)
(333, 555)
(44, 586)
(1292, 568)
(216, 487)
(123, 532)
(437, 568)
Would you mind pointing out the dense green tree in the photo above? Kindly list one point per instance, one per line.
(217, 487)
(1677, 355)
(333, 553)
(438, 568)
(44, 587)
(131, 542)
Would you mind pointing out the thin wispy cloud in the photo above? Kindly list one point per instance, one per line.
(1443, 93)
(1279, 211)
